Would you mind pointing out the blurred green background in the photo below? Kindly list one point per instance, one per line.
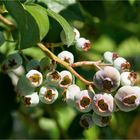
(110, 26)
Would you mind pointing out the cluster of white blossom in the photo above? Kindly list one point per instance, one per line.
(114, 83)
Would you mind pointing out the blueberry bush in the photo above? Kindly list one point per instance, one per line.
(69, 69)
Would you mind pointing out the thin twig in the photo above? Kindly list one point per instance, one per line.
(97, 64)
(86, 63)
(65, 64)
(6, 21)
(103, 64)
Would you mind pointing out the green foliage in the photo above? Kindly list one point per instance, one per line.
(67, 29)
(29, 31)
(40, 15)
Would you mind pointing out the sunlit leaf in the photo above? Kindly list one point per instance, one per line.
(40, 15)
(37, 53)
(65, 25)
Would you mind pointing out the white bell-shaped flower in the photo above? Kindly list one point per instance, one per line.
(31, 100)
(35, 78)
(82, 44)
(66, 56)
(48, 95)
(71, 92)
(66, 79)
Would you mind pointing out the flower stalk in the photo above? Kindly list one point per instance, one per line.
(63, 63)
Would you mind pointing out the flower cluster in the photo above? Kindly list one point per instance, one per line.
(115, 86)
(42, 85)
(81, 43)
(114, 83)
(116, 90)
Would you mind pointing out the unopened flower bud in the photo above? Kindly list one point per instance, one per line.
(53, 78)
(71, 92)
(127, 98)
(82, 44)
(83, 101)
(76, 33)
(48, 95)
(31, 100)
(107, 79)
(12, 61)
(66, 56)
(35, 77)
(128, 78)
(103, 104)
(66, 79)
(46, 64)
(101, 121)
(109, 57)
(86, 121)
(121, 64)
(33, 65)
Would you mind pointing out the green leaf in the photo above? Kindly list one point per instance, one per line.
(29, 31)
(40, 15)
(65, 25)
(2, 39)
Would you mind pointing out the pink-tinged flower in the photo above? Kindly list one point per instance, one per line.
(103, 104)
(71, 92)
(128, 78)
(107, 79)
(35, 78)
(66, 56)
(86, 121)
(109, 57)
(66, 79)
(48, 95)
(121, 64)
(82, 44)
(83, 101)
(101, 121)
(31, 100)
(127, 98)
